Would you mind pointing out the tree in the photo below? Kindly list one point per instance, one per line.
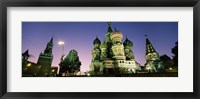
(159, 65)
(175, 52)
(167, 61)
(71, 63)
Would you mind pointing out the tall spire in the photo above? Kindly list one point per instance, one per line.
(49, 47)
(51, 39)
(149, 46)
(109, 27)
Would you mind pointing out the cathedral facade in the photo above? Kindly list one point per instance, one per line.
(112, 56)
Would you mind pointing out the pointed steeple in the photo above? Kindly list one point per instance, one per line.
(149, 46)
(51, 39)
(25, 53)
(109, 27)
(49, 47)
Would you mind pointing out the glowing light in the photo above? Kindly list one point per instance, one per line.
(88, 74)
(29, 64)
(53, 70)
(170, 68)
(61, 43)
(63, 74)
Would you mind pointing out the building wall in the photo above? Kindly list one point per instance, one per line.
(45, 63)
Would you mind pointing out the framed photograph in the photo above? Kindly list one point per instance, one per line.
(99, 49)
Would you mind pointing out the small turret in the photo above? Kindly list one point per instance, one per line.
(96, 41)
(128, 49)
(128, 43)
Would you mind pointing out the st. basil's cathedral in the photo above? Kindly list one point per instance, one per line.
(112, 56)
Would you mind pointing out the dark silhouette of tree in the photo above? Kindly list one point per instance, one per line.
(167, 61)
(71, 63)
(159, 65)
(175, 52)
(25, 57)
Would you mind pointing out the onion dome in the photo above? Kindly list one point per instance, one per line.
(127, 42)
(116, 34)
(103, 45)
(97, 41)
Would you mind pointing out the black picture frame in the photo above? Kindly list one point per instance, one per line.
(98, 3)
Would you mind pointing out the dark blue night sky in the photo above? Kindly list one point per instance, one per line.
(80, 36)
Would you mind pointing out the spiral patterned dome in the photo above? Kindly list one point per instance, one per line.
(97, 41)
(127, 42)
(116, 34)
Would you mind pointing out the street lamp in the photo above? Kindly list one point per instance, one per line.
(29, 64)
(61, 43)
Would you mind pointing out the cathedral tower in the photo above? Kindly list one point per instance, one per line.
(105, 47)
(128, 49)
(151, 53)
(109, 31)
(151, 57)
(45, 59)
(117, 46)
(96, 52)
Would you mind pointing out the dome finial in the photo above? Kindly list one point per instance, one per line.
(115, 29)
(126, 35)
(109, 27)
